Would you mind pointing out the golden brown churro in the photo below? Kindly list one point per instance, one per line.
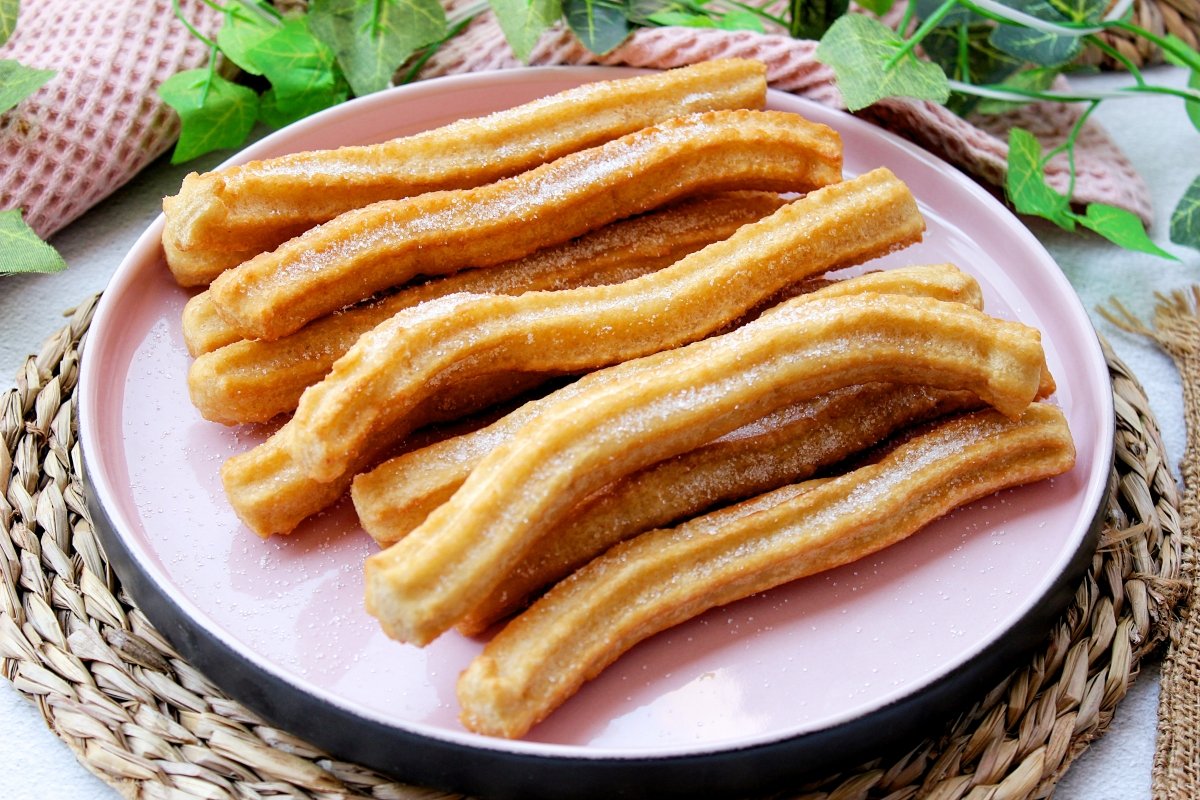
(665, 577)
(612, 254)
(399, 494)
(652, 408)
(222, 218)
(252, 381)
(786, 446)
(369, 390)
(383, 245)
(274, 495)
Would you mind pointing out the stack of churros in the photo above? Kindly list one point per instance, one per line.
(727, 416)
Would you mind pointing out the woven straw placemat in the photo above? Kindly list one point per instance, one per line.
(146, 722)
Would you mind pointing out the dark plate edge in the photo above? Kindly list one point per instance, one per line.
(488, 773)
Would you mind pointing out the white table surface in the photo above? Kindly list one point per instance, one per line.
(1153, 132)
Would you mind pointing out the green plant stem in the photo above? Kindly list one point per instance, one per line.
(1068, 146)
(454, 30)
(191, 28)
(1002, 92)
(964, 53)
(760, 12)
(376, 10)
(926, 26)
(1112, 52)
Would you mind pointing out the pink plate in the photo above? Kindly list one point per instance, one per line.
(786, 675)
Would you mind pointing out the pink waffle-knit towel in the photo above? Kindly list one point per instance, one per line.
(99, 120)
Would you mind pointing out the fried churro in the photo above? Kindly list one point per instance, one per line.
(784, 447)
(368, 250)
(221, 218)
(274, 494)
(618, 252)
(254, 380)
(369, 390)
(399, 494)
(649, 409)
(665, 577)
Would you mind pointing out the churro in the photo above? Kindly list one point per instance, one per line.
(399, 494)
(615, 253)
(221, 218)
(273, 493)
(371, 249)
(649, 409)
(786, 446)
(368, 391)
(665, 577)
(254, 380)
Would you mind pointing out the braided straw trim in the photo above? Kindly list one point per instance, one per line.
(146, 722)
(1176, 329)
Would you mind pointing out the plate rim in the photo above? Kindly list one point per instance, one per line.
(538, 750)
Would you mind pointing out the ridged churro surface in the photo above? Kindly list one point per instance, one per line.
(653, 408)
(665, 577)
(254, 380)
(370, 249)
(220, 218)
(395, 364)
(395, 497)
(786, 446)
(271, 493)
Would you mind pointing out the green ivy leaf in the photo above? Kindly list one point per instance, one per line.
(215, 113)
(372, 39)
(878, 7)
(1085, 11)
(682, 19)
(300, 68)
(740, 20)
(957, 16)
(600, 24)
(1120, 227)
(524, 21)
(965, 53)
(858, 47)
(21, 250)
(1033, 45)
(812, 18)
(1185, 219)
(1025, 183)
(8, 18)
(241, 34)
(18, 81)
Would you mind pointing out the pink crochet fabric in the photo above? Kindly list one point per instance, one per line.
(99, 121)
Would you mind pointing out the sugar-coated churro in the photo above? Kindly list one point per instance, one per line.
(369, 390)
(273, 495)
(665, 577)
(655, 407)
(254, 380)
(221, 218)
(386, 244)
(786, 446)
(399, 494)
(612, 254)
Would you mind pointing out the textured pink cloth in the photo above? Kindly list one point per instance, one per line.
(99, 121)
